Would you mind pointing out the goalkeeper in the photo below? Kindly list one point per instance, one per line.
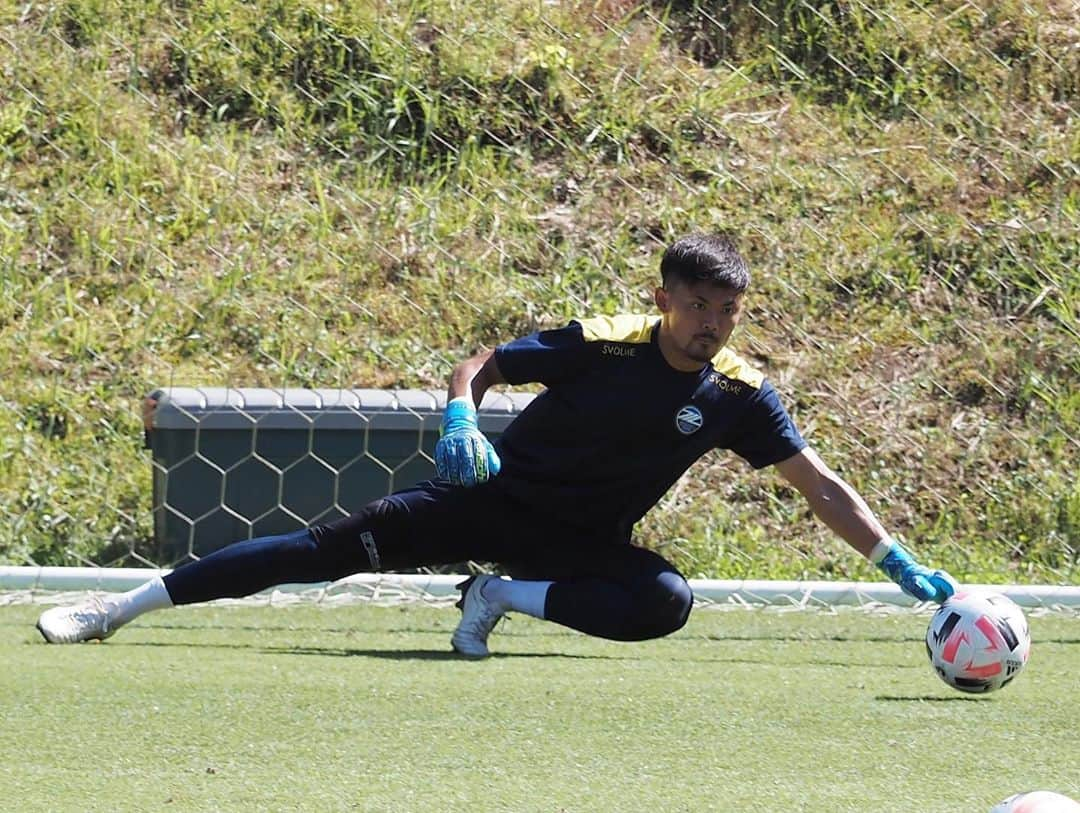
(630, 403)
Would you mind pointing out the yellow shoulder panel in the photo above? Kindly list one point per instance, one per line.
(630, 328)
(729, 364)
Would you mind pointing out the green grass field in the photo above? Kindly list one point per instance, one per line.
(364, 709)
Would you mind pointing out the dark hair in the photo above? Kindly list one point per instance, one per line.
(705, 257)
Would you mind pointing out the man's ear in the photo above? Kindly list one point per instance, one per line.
(662, 299)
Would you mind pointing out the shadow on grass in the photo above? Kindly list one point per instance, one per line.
(553, 631)
(424, 654)
(930, 698)
(330, 630)
(384, 654)
(818, 639)
(447, 655)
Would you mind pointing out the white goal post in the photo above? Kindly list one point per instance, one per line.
(41, 583)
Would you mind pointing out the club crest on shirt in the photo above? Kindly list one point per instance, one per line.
(688, 419)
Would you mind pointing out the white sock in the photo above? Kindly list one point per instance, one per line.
(519, 595)
(130, 605)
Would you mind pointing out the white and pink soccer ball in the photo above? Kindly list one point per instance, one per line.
(978, 641)
(1037, 801)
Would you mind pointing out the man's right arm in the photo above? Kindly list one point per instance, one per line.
(463, 455)
(474, 377)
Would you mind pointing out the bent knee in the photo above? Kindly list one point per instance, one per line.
(668, 606)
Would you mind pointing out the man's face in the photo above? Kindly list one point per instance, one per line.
(698, 319)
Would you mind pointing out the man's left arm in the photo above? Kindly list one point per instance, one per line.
(840, 507)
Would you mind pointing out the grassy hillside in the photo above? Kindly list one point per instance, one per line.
(304, 194)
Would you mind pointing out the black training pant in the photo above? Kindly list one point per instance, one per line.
(603, 585)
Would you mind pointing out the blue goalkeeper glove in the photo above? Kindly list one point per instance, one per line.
(463, 455)
(914, 579)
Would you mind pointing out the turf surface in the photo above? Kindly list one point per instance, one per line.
(363, 709)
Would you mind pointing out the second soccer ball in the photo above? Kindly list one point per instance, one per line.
(1037, 801)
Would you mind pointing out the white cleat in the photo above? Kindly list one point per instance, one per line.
(478, 617)
(83, 622)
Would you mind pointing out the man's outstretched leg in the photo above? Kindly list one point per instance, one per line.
(427, 525)
(238, 570)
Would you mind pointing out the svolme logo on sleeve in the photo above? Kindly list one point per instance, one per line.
(725, 384)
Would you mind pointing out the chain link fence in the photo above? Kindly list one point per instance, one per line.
(316, 195)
